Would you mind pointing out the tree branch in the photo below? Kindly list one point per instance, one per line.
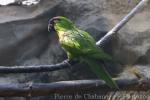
(37, 68)
(75, 86)
(115, 29)
(62, 65)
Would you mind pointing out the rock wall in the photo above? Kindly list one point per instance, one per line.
(24, 39)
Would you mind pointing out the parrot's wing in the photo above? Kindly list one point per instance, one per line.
(97, 53)
(78, 42)
(88, 47)
(101, 73)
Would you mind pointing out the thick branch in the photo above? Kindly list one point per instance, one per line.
(62, 87)
(45, 68)
(115, 29)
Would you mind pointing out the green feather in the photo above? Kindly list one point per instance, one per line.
(101, 72)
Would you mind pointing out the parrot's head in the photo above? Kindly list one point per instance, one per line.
(60, 23)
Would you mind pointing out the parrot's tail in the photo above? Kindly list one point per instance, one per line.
(101, 72)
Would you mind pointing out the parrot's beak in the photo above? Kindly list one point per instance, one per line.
(51, 23)
(50, 27)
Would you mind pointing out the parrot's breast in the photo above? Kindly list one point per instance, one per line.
(61, 35)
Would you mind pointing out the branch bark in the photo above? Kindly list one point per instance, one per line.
(69, 87)
(37, 68)
(66, 64)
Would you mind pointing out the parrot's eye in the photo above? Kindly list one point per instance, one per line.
(51, 22)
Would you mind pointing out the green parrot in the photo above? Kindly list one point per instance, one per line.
(80, 45)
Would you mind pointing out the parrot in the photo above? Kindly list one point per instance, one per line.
(79, 44)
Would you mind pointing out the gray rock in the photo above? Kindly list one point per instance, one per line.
(24, 39)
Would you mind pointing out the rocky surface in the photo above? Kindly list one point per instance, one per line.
(24, 39)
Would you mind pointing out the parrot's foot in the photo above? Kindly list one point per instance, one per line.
(70, 62)
(67, 61)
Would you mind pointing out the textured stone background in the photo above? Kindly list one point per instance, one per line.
(24, 39)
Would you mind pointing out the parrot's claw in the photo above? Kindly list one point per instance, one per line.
(70, 62)
(67, 61)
